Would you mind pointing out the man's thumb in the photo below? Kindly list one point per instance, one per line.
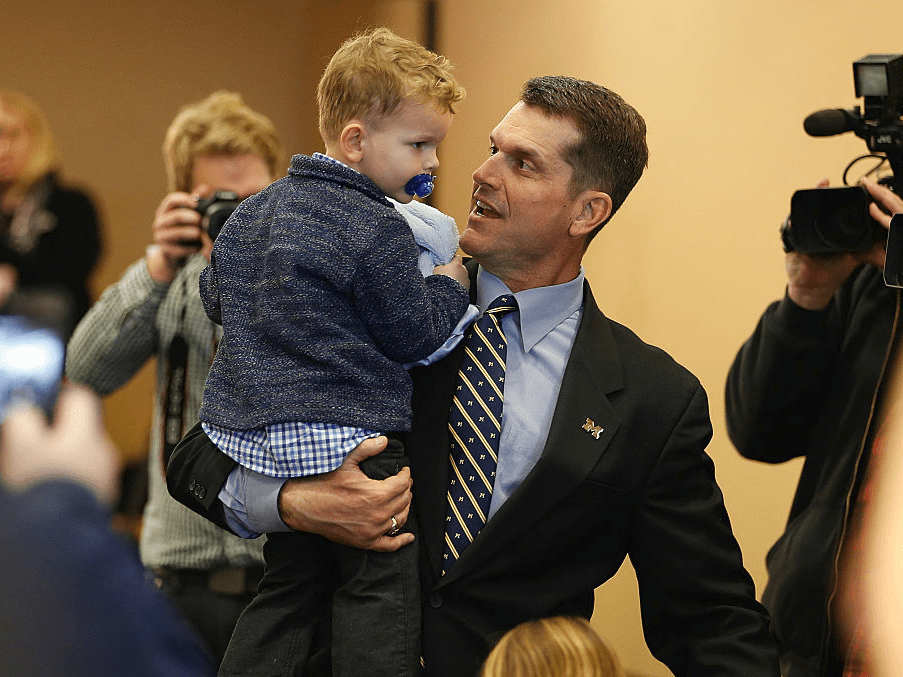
(369, 447)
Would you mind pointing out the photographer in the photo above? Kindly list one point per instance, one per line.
(218, 144)
(808, 384)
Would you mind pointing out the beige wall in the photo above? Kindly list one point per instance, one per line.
(689, 262)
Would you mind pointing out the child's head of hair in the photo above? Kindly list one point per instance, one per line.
(373, 72)
(221, 124)
(552, 647)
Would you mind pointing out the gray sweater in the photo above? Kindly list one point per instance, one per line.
(316, 284)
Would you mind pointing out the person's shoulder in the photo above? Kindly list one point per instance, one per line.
(643, 359)
(69, 196)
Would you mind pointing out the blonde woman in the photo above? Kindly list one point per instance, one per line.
(49, 233)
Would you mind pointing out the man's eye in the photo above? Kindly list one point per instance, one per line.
(419, 145)
(493, 150)
(523, 164)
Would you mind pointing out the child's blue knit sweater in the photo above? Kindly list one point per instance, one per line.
(316, 284)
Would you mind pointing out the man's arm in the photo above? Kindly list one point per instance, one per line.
(344, 505)
(775, 386)
(118, 334)
(699, 608)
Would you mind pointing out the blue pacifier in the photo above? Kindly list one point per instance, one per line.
(421, 185)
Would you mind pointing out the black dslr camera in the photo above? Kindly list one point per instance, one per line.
(215, 209)
(831, 220)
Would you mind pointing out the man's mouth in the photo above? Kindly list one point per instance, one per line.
(482, 209)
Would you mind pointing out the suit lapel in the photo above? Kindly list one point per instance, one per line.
(428, 442)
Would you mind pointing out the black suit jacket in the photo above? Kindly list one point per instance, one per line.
(641, 485)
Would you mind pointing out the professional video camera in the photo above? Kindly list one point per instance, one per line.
(830, 220)
(215, 209)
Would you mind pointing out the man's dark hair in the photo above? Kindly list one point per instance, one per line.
(611, 154)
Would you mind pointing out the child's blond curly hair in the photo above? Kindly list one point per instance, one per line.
(372, 72)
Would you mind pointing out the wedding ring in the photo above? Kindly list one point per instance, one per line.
(394, 531)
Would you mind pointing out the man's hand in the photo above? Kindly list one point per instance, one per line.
(74, 447)
(347, 507)
(177, 235)
(812, 280)
(885, 203)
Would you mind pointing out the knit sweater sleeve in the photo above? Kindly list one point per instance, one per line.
(408, 315)
(208, 286)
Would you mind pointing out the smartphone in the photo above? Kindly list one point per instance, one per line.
(32, 359)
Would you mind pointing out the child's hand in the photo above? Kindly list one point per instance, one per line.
(454, 269)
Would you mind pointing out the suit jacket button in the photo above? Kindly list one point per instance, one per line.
(201, 492)
(435, 600)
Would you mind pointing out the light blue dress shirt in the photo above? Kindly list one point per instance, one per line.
(540, 337)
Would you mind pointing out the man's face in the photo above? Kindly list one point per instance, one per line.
(398, 148)
(244, 175)
(15, 145)
(521, 205)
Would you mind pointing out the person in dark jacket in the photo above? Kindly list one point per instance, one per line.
(76, 600)
(50, 236)
(808, 383)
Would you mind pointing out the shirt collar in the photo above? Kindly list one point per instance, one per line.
(541, 309)
(326, 158)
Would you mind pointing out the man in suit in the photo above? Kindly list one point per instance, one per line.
(602, 443)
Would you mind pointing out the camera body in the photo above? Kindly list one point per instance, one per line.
(215, 209)
(830, 220)
(833, 220)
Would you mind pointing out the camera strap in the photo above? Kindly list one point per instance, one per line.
(174, 395)
(176, 389)
(175, 392)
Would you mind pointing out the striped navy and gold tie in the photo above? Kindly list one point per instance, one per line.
(475, 424)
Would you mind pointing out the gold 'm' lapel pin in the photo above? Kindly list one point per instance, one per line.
(593, 429)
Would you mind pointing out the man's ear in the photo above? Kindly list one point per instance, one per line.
(595, 208)
(351, 141)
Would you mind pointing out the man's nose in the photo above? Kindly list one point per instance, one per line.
(484, 174)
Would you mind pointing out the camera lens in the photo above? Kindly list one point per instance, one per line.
(216, 210)
(216, 217)
(844, 229)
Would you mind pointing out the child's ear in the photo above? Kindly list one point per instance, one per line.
(351, 141)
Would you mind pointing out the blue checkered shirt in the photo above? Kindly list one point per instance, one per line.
(289, 449)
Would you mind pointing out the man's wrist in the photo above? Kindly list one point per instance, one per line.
(287, 505)
(159, 266)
